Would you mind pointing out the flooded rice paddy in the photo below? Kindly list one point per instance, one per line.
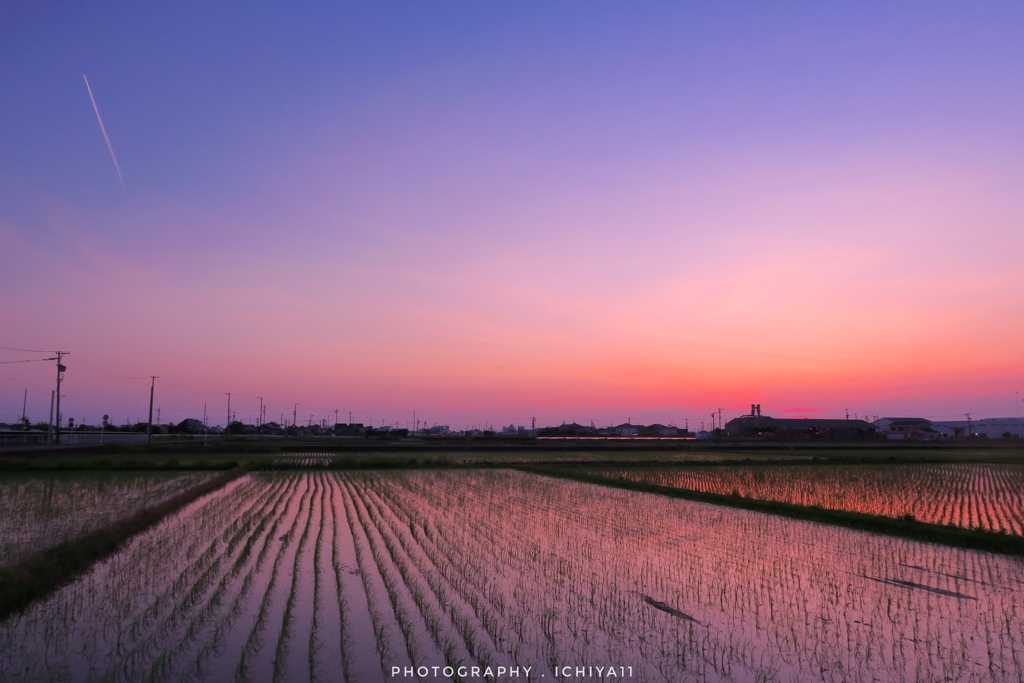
(983, 496)
(43, 509)
(336, 576)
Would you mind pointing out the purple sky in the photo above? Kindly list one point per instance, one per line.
(490, 212)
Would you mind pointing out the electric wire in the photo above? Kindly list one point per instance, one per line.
(102, 371)
(191, 391)
(11, 348)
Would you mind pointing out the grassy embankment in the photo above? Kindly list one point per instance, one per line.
(905, 527)
(39, 574)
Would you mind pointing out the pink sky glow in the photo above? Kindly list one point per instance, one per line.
(725, 210)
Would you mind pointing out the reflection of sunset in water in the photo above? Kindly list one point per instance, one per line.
(332, 576)
(966, 495)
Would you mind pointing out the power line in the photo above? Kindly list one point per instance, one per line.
(193, 391)
(31, 360)
(11, 348)
(102, 371)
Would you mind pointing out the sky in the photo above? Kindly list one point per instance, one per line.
(485, 213)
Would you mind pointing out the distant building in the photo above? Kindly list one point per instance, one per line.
(571, 429)
(918, 428)
(350, 429)
(190, 426)
(906, 429)
(989, 428)
(625, 429)
(788, 429)
(271, 428)
(658, 430)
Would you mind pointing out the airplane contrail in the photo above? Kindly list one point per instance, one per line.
(103, 130)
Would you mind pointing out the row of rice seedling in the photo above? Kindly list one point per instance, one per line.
(342, 576)
(544, 632)
(306, 459)
(43, 509)
(209, 600)
(464, 622)
(302, 599)
(319, 598)
(450, 624)
(733, 599)
(974, 496)
(263, 640)
(414, 629)
(131, 594)
(365, 642)
(251, 560)
(177, 615)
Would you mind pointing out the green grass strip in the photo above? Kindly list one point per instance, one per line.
(974, 539)
(41, 573)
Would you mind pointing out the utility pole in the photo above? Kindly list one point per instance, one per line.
(24, 403)
(335, 416)
(60, 377)
(719, 418)
(970, 430)
(260, 419)
(227, 425)
(204, 423)
(149, 427)
(295, 414)
(847, 413)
